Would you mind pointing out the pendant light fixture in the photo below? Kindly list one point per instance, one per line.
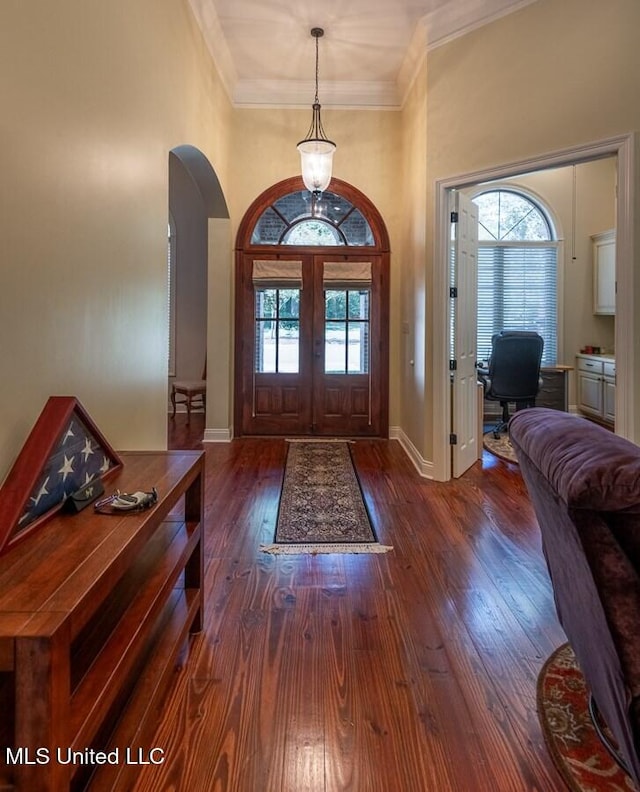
(316, 150)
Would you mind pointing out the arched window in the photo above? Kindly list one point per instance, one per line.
(301, 218)
(517, 270)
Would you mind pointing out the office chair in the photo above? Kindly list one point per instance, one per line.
(194, 393)
(513, 374)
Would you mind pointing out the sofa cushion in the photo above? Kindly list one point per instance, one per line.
(587, 465)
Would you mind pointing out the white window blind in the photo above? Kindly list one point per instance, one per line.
(517, 287)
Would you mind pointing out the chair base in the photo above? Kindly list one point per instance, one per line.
(501, 426)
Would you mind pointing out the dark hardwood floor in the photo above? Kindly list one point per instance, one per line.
(410, 671)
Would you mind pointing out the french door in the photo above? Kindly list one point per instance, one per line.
(313, 346)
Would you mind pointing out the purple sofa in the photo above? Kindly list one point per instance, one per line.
(584, 482)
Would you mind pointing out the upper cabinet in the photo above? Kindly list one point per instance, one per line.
(604, 272)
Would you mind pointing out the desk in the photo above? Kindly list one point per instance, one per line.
(554, 392)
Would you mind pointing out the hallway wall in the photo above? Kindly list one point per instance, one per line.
(93, 99)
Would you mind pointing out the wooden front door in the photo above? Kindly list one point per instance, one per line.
(313, 346)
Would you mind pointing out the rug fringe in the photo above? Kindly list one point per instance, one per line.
(318, 440)
(315, 549)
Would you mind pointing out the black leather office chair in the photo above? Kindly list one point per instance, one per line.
(513, 375)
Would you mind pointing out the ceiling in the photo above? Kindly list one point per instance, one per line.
(265, 53)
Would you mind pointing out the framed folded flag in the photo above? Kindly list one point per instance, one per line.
(65, 454)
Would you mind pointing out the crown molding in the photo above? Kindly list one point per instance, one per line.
(211, 29)
(299, 94)
(435, 29)
(447, 24)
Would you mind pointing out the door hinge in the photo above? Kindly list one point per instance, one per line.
(453, 439)
(453, 365)
(453, 292)
(454, 217)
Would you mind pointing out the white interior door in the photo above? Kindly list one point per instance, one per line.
(464, 389)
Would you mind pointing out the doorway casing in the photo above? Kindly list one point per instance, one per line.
(627, 368)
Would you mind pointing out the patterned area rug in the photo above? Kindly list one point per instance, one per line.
(321, 505)
(501, 448)
(563, 707)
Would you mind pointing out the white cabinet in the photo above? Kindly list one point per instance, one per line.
(604, 273)
(596, 387)
(609, 391)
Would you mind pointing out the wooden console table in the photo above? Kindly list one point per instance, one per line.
(95, 610)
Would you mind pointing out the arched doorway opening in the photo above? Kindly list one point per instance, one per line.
(312, 314)
(195, 202)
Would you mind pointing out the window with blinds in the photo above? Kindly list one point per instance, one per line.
(517, 271)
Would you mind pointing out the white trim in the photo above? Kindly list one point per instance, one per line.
(445, 25)
(215, 41)
(423, 466)
(344, 95)
(622, 146)
(171, 297)
(217, 436)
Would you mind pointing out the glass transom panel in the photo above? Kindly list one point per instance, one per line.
(505, 216)
(301, 218)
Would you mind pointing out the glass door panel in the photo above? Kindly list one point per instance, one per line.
(277, 331)
(346, 331)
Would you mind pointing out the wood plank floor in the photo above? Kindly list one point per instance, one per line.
(411, 671)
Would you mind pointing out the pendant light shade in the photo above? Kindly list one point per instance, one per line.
(316, 150)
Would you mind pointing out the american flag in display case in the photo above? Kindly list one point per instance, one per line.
(65, 452)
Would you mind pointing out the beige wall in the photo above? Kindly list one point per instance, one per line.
(93, 98)
(550, 76)
(413, 363)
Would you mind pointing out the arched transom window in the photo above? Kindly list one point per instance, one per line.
(517, 270)
(301, 218)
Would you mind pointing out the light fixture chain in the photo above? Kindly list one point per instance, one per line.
(317, 70)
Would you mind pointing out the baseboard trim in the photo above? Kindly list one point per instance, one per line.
(423, 466)
(217, 436)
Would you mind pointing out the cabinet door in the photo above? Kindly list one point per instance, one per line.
(609, 400)
(604, 273)
(590, 393)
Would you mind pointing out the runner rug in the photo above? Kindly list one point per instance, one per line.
(321, 505)
(563, 707)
